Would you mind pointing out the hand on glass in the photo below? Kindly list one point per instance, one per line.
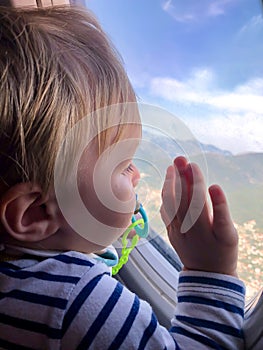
(203, 241)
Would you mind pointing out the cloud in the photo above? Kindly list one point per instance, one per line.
(218, 7)
(177, 12)
(253, 25)
(201, 88)
(234, 132)
(231, 120)
(193, 10)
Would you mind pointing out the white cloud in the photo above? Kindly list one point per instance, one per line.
(166, 5)
(234, 132)
(228, 119)
(177, 12)
(192, 10)
(218, 7)
(201, 88)
(254, 24)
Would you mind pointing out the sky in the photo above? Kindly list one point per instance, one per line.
(200, 60)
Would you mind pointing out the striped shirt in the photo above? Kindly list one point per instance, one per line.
(70, 301)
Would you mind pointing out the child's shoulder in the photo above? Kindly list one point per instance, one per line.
(47, 292)
(67, 268)
(73, 266)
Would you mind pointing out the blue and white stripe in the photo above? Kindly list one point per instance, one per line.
(70, 301)
(210, 310)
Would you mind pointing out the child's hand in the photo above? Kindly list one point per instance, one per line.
(203, 242)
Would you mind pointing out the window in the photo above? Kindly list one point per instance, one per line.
(202, 62)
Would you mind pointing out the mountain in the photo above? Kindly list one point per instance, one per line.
(241, 176)
(213, 149)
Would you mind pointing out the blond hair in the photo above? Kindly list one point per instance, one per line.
(56, 66)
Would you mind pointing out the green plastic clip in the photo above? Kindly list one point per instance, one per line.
(125, 252)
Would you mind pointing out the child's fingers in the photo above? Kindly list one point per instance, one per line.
(165, 217)
(184, 197)
(223, 227)
(181, 188)
(197, 213)
(168, 209)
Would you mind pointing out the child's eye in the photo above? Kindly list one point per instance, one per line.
(130, 168)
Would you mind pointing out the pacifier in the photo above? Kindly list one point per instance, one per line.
(141, 227)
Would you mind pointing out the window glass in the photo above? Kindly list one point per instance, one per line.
(202, 62)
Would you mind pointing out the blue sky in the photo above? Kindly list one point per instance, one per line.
(199, 59)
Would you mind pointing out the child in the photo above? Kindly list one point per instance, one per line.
(64, 91)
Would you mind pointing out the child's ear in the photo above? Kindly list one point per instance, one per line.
(26, 214)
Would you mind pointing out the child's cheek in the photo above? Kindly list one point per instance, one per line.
(123, 189)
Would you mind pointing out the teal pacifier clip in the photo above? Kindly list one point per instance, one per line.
(141, 226)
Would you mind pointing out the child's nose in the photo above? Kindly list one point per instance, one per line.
(136, 176)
